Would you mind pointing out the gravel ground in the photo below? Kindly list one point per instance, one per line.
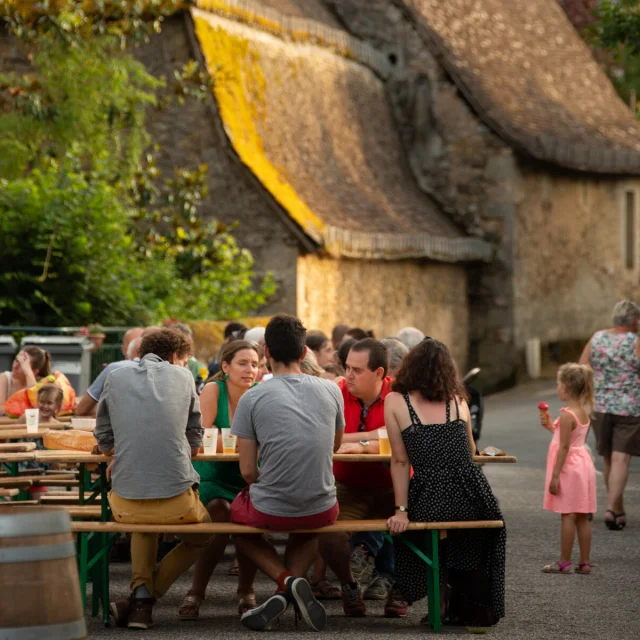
(605, 604)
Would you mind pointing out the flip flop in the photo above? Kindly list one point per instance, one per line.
(557, 567)
(614, 525)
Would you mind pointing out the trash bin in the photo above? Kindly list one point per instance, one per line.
(70, 355)
(8, 348)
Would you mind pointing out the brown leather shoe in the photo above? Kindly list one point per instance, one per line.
(140, 614)
(120, 612)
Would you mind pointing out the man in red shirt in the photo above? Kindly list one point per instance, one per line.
(364, 491)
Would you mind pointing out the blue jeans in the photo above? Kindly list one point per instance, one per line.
(381, 549)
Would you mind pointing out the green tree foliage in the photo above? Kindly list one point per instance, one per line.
(91, 230)
(617, 30)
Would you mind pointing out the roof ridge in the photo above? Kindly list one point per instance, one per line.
(611, 158)
(300, 30)
(337, 241)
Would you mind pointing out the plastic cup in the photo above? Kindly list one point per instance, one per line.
(210, 441)
(31, 416)
(385, 445)
(228, 442)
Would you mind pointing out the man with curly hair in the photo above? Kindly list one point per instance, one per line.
(149, 420)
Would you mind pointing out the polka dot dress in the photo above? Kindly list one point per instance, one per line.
(447, 486)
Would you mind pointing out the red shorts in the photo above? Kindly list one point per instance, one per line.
(243, 512)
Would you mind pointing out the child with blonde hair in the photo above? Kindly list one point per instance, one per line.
(571, 476)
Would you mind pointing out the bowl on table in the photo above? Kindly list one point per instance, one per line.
(83, 424)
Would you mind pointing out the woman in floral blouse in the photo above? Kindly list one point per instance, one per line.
(614, 355)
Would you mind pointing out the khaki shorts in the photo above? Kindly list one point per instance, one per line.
(357, 503)
(617, 433)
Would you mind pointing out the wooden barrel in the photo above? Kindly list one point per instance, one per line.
(39, 586)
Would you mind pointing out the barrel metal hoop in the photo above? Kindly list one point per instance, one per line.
(65, 631)
(12, 555)
(21, 525)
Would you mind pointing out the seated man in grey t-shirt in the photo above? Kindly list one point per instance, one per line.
(296, 421)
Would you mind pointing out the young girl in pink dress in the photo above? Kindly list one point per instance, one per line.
(571, 476)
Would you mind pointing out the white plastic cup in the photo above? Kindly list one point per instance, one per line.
(32, 416)
(383, 439)
(210, 440)
(228, 442)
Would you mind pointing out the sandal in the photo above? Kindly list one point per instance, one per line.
(324, 590)
(190, 609)
(580, 568)
(246, 601)
(557, 567)
(614, 525)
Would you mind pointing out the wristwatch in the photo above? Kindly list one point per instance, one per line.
(401, 508)
(365, 444)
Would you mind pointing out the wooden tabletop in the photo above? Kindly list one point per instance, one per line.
(79, 456)
(13, 423)
(15, 447)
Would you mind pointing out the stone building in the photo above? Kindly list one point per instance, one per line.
(461, 166)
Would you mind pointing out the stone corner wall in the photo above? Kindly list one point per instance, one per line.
(568, 253)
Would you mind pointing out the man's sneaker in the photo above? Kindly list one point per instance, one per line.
(352, 601)
(395, 607)
(140, 614)
(120, 611)
(378, 589)
(361, 562)
(313, 613)
(261, 618)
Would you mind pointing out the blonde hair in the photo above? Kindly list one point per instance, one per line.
(310, 365)
(578, 381)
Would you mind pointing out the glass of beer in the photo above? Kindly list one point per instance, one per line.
(228, 442)
(385, 445)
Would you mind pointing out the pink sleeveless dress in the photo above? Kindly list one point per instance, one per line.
(577, 490)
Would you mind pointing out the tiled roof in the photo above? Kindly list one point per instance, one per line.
(317, 131)
(531, 78)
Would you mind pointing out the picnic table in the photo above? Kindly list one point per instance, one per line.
(95, 540)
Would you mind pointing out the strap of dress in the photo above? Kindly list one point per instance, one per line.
(448, 412)
(412, 412)
(575, 417)
(457, 410)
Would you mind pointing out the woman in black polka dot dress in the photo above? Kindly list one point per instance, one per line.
(429, 427)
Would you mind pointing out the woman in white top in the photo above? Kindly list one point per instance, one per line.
(29, 366)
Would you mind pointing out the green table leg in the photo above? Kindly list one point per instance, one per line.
(82, 569)
(435, 570)
(105, 543)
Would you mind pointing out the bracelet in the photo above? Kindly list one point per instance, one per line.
(402, 509)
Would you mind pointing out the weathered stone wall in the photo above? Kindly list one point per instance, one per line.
(568, 254)
(385, 297)
(191, 135)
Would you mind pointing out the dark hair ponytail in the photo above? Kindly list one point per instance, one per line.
(40, 360)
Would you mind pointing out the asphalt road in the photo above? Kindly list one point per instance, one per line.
(605, 604)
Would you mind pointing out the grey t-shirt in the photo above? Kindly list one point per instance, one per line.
(294, 419)
(150, 414)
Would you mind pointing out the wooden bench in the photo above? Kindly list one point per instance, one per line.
(8, 493)
(433, 532)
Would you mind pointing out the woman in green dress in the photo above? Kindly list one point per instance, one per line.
(220, 482)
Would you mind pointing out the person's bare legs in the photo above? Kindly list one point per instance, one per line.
(220, 511)
(618, 476)
(606, 470)
(336, 551)
(584, 540)
(301, 550)
(567, 536)
(261, 554)
(319, 569)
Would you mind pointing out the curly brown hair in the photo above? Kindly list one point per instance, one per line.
(165, 342)
(429, 368)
